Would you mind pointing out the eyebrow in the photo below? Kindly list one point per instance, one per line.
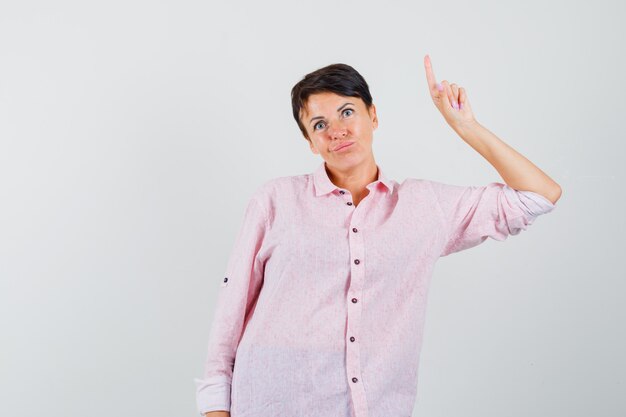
(338, 109)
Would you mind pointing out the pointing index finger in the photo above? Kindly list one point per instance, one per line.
(430, 76)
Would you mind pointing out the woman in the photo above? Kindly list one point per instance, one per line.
(321, 309)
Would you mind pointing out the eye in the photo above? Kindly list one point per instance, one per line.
(348, 109)
(315, 127)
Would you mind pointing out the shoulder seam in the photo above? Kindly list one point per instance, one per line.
(263, 189)
(256, 201)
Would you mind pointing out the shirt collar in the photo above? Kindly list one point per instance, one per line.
(323, 184)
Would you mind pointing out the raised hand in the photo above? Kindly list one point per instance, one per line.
(450, 99)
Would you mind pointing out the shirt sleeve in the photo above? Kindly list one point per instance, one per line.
(471, 214)
(238, 292)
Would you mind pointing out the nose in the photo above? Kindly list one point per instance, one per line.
(337, 130)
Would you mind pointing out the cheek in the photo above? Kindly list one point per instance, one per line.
(359, 129)
(322, 145)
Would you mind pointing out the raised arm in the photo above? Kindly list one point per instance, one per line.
(517, 171)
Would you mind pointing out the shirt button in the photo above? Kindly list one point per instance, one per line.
(352, 338)
(354, 300)
(342, 192)
(225, 279)
(356, 261)
(354, 380)
(349, 203)
(354, 229)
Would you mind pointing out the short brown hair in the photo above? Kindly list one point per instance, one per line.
(340, 79)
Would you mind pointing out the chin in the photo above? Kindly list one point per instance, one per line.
(350, 161)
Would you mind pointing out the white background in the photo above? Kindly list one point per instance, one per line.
(132, 134)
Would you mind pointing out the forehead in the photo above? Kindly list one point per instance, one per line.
(327, 102)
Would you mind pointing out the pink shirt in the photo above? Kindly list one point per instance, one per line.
(321, 308)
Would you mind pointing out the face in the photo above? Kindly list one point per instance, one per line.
(332, 120)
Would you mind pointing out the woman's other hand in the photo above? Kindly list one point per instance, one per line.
(217, 414)
(450, 99)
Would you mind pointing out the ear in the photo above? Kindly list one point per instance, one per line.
(373, 116)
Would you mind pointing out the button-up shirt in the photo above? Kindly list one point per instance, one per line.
(321, 308)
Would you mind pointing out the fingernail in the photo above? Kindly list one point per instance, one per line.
(456, 106)
(439, 87)
(461, 106)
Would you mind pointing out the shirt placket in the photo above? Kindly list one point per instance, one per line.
(355, 293)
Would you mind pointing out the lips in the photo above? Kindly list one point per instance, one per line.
(342, 145)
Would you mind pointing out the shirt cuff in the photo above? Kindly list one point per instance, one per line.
(212, 394)
(533, 204)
